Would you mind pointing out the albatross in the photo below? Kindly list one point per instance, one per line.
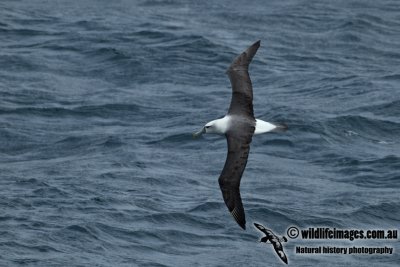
(238, 125)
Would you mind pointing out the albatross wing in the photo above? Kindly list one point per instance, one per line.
(242, 89)
(229, 180)
(240, 135)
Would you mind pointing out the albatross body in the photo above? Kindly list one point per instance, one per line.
(238, 126)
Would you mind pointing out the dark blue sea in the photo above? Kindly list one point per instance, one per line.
(99, 100)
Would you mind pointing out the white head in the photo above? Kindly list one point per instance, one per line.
(219, 126)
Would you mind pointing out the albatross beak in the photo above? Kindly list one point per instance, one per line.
(197, 134)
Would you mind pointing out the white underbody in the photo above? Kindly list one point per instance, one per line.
(221, 126)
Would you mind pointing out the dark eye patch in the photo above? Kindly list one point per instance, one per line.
(208, 127)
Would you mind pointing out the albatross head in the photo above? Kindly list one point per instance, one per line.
(219, 126)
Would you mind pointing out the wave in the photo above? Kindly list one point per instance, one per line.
(103, 111)
(385, 214)
(367, 128)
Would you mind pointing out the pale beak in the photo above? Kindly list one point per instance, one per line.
(197, 134)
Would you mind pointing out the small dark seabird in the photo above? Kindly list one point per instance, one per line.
(274, 240)
(238, 126)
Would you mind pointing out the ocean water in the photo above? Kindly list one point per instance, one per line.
(98, 100)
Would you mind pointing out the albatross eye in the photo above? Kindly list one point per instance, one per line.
(208, 127)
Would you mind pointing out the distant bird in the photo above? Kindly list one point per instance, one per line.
(238, 126)
(274, 240)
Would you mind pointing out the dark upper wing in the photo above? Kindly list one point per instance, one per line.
(261, 228)
(242, 90)
(279, 250)
(268, 232)
(229, 180)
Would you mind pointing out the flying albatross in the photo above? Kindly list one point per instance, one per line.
(238, 126)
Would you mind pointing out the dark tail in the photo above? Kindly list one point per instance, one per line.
(280, 127)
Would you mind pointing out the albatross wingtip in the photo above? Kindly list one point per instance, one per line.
(255, 46)
(242, 61)
(238, 215)
(242, 224)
